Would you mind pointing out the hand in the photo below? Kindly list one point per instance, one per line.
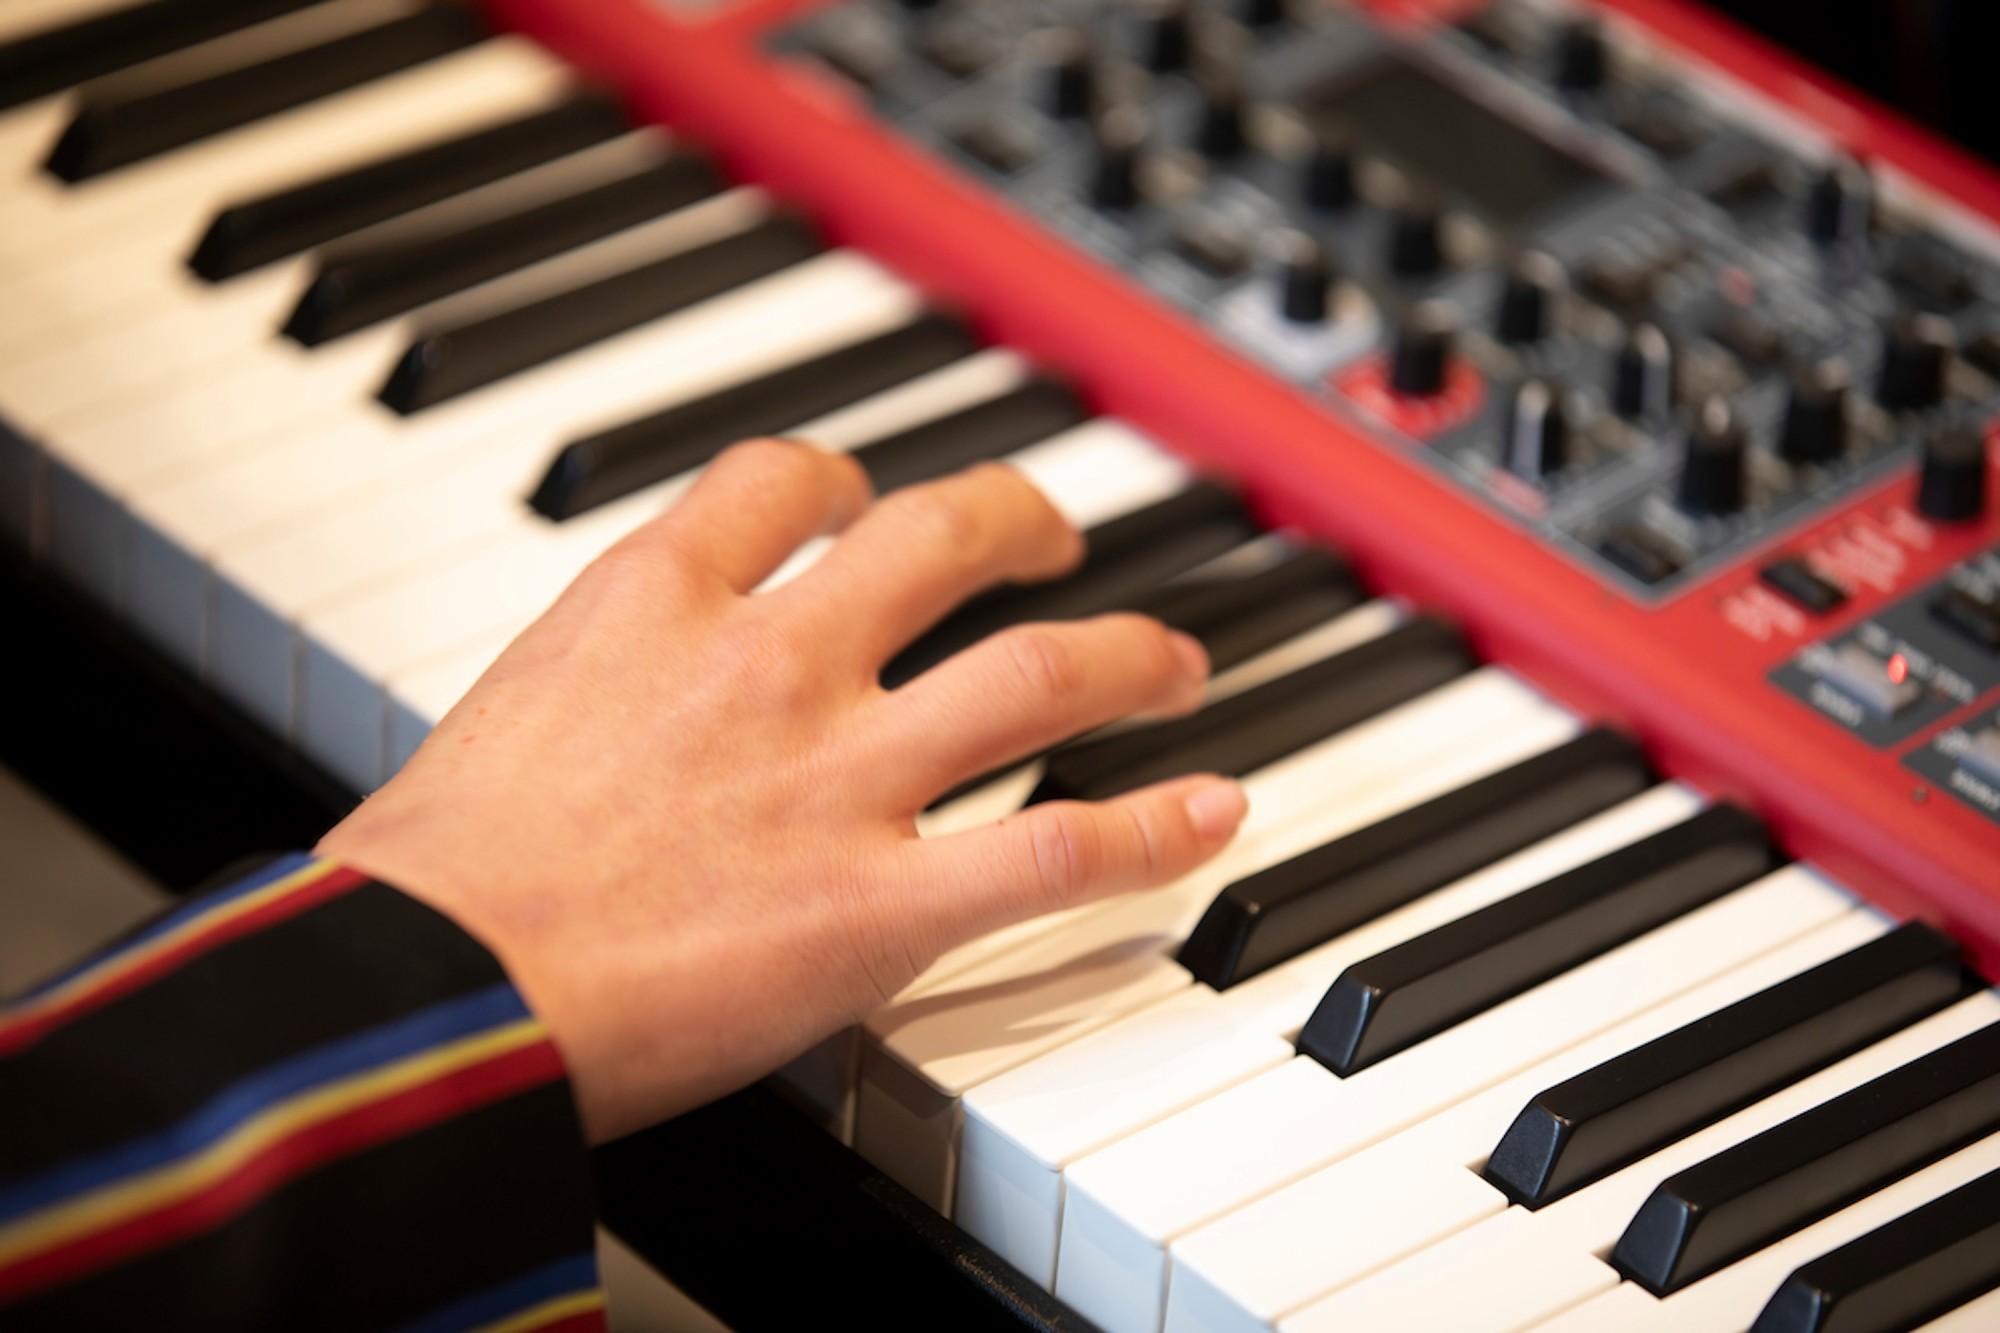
(683, 815)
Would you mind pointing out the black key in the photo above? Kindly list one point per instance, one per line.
(992, 429)
(1918, 1268)
(113, 130)
(1124, 560)
(605, 467)
(278, 226)
(1237, 616)
(1279, 913)
(60, 58)
(1790, 1176)
(1399, 997)
(377, 282)
(1246, 731)
(1609, 1117)
(448, 362)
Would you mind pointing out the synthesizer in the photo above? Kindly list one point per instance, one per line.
(1566, 427)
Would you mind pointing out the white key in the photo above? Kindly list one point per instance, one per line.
(1253, 1266)
(1024, 1127)
(931, 1046)
(24, 19)
(1732, 1298)
(1127, 1203)
(394, 495)
(1493, 1280)
(100, 306)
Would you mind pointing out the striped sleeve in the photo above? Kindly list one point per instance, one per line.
(306, 1101)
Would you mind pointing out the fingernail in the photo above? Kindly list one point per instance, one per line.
(1194, 657)
(1216, 808)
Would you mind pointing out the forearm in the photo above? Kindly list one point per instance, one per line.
(305, 1101)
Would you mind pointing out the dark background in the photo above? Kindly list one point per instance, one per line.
(1935, 60)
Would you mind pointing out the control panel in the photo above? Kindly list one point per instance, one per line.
(1651, 327)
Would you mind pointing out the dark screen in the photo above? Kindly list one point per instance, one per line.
(1450, 142)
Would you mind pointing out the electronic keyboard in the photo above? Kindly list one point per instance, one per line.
(1566, 427)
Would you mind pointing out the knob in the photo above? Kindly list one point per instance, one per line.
(1580, 62)
(1526, 301)
(1712, 474)
(1259, 13)
(1416, 241)
(1327, 179)
(1815, 429)
(1916, 352)
(1219, 134)
(1839, 204)
(1951, 487)
(1072, 76)
(1166, 38)
(1537, 432)
(1114, 179)
(1642, 379)
(1420, 360)
(1306, 280)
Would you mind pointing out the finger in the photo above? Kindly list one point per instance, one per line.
(921, 551)
(1068, 852)
(756, 504)
(1027, 688)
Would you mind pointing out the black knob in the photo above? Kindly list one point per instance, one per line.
(1306, 280)
(1327, 179)
(1580, 62)
(1527, 301)
(1815, 429)
(1642, 378)
(1951, 487)
(1916, 353)
(920, 5)
(1114, 179)
(1537, 432)
(1713, 472)
(1839, 204)
(1219, 134)
(1260, 13)
(1166, 38)
(1420, 360)
(1072, 76)
(1416, 240)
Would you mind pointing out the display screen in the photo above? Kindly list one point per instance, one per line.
(1448, 141)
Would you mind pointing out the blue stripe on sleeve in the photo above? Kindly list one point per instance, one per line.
(576, 1273)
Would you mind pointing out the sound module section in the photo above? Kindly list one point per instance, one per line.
(1656, 329)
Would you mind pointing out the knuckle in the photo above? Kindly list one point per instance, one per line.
(1045, 663)
(1150, 840)
(1149, 645)
(940, 516)
(1064, 847)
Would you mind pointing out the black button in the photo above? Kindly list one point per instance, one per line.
(1795, 579)
(1983, 355)
(1972, 615)
(1639, 554)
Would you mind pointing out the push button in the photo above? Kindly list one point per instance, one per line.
(1795, 579)
(1870, 681)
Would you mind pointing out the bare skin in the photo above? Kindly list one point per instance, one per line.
(683, 816)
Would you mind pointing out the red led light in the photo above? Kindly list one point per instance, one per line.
(1899, 669)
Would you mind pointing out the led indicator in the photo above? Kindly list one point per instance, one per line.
(1899, 669)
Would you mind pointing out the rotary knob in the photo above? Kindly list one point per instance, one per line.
(1839, 204)
(1952, 484)
(1714, 469)
(1072, 76)
(1420, 360)
(1256, 14)
(1580, 62)
(1166, 37)
(1326, 179)
(1527, 301)
(1916, 354)
(1219, 134)
(1114, 177)
(1416, 239)
(1306, 280)
(1642, 376)
(1537, 432)
(1815, 429)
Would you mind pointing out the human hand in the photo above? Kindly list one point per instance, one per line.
(683, 816)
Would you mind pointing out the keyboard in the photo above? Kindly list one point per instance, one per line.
(1606, 630)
